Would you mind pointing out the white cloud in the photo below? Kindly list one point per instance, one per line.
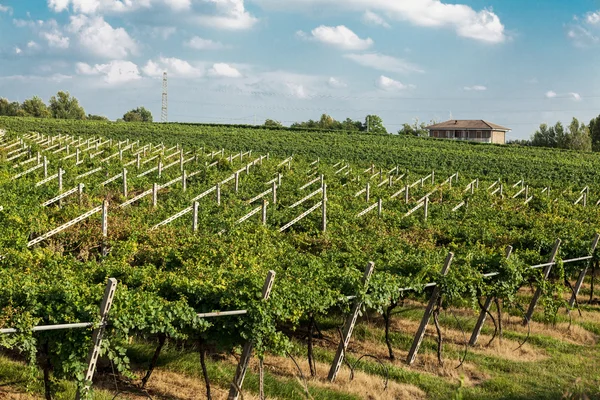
(338, 36)
(18, 50)
(173, 66)
(483, 25)
(199, 43)
(230, 14)
(389, 84)
(113, 6)
(32, 45)
(551, 94)
(98, 37)
(31, 78)
(56, 39)
(592, 17)
(163, 32)
(370, 18)
(582, 37)
(575, 96)
(336, 83)
(476, 88)
(224, 70)
(383, 62)
(297, 90)
(6, 9)
(114, 72)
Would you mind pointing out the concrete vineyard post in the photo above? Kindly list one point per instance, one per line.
(39, 158)
(274, 191)
(278, 179)
(154, 194)
(349, 328)
(240, 372)
(426, 207)
(368, 192)
(484, 311)
(97, 334)
(406, 194)
(195, 217)
(80, 192)
(184, 180)
(138, 161)
(247, 169)
(104, 227)
(433, 177)
(125, 182)
(477, 183)
(264, 212)
(181, 160)
(324, 209)
(218, 190)
(237, 182)
(501, 190)
(390, 180)
(60, 184)
(45, 167)
(159, 169)
(583, 272)
(545, 275)
(412, 354)
(380, 207)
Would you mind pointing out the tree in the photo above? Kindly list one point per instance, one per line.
(594, 129)
(414, 130)
(35, 107)
(562, 139)
(93, 117)
(64, 106)
(544, 137)
(9, 109)
(271, 123)
(579, 136)
(374, 125)
(139, 114)
(352, 126)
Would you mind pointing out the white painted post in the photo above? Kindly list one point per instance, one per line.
(60, 184)
(104, 249)
(426, 207)
(584, 199)
(247, 169)
(324, 209)
(379, 207)
(184, 180)
(159, 169)
(218, 194)
(390, 180)
(237, 182)
(412, 354)
(125, 182)
(274, 193)
(433, 177)
(138, 161)
(278, 179)
(406, 194)
(477, 183)
(45, 167)
(368, 192)
(545, 275)
(39, 158)
(349, 328)
(501, 190)
(181, 159)
(240, 372)
(154, 194)
(195, 217)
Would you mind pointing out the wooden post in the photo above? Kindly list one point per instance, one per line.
(264, 212)
(538, 292)
(184, 180)
(324, 208)
(368, 192)
(583, 272)
(237, 182)
(483, 313)
(240, 372)
(195, 217)
(274, 193)
(92, 359)
(218, 194)
(154, 194)
(412, 354)
(125, 182)
(349, 328)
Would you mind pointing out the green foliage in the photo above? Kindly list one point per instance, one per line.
(35, 107)
(139, 114)
(92, 117)
(64, 106)
(374, 125)
(415, 130)
(270, 123)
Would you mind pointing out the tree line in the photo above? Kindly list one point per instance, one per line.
(63, 106)
(576, 136)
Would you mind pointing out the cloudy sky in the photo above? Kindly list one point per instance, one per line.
(513, 62)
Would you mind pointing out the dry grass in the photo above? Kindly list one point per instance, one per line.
(363, 385)
(10, 394)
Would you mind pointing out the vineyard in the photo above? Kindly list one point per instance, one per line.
(273, 264)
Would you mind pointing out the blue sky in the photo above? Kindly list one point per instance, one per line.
(513, 62)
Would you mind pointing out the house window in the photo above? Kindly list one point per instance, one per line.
(436, 134)
(478, 134)
(457, 134)
(448, 134)
(472, 135)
